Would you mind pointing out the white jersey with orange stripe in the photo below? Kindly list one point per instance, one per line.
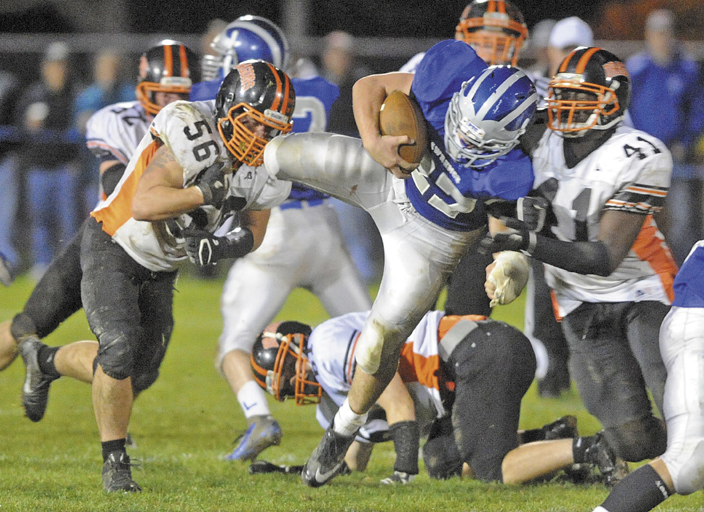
(630, 172)
(332, 355)
(188, 130)
(116, 130)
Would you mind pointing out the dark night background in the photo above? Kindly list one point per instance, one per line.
(409, 18)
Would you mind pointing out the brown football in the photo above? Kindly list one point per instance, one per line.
(401, 115)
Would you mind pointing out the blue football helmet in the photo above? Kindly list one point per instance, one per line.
(488, 115)
(248, 37)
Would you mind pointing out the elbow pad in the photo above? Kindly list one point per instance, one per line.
(111, 177)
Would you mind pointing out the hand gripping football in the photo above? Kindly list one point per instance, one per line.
(401, 115)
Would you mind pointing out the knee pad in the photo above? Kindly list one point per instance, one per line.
(143, 381)
(638, 440)
(115, 356)
(685, 469)
(442, 458)
(22, 326)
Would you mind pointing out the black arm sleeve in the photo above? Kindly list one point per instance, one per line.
(239, 243)
(579, 257)
(111, 177)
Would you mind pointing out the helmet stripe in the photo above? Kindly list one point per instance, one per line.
(183, 61)
(566, 61)
(582, 64)
(168, 60)
(277, 47)
(279, 86)
(498, 93)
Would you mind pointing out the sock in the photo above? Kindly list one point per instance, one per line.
(117, 445)
(252, 399)
(640, 491)
(580, 445)
(346, 421)
(45, 358)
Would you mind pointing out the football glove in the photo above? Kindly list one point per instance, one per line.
(212, 182)
(512, 240)
(204, 248)
(509, 276)
(531, 212)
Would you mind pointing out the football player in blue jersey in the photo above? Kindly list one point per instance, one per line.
(679, 469)
(303, 246)
(427, 215)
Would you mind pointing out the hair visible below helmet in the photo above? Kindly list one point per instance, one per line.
(279, 357)
(488, 115)
(169, 67)
(494, 28)
(253, 91)
(246, 38)
(590, 91)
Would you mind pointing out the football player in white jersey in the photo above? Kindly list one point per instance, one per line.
(681, 468)
(199, 164)
(427, 217)
(607, 263)
(460, 383)
(166, 73)
(303, 246)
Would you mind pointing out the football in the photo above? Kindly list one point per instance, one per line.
(401, 115)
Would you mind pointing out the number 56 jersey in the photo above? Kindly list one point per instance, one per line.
(630, 172)
(188, 130)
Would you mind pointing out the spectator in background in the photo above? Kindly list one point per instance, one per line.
(108, 88)
(538, 44)
(50, 155)
(341, 67)
(9, 177)
(668, 103)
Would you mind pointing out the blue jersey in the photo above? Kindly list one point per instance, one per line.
(314, 99)
(443, 191)
(689, 282)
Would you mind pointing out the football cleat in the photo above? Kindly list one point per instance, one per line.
(562, 428)
(263, 432)
(117, 474)
(35, 391)
(601, 455)
(398, 478)
(327, 460)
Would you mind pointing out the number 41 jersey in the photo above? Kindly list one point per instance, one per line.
(630, 172)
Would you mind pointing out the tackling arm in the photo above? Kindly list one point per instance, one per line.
(368, 95)
(160, 194)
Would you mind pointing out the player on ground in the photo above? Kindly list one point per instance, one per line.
(303, 246)
(679, 469)
(426, 221)
(461, 373)
(607, 263)
(166, 73)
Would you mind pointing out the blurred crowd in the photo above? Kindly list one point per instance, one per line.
(49, 181)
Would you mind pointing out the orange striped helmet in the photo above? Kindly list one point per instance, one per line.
(495, 29)
(254, 93)
(591, 91)
(169, 67)
(280, 365)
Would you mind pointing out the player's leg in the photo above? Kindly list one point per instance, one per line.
(465, 290)
(253, 294)
(492, 367)
(544, 331)
(610, 382)
(110, 291)
(330, 272)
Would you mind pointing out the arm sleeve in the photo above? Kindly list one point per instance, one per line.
(579, 257)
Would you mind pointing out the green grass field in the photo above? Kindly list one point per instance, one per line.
(185, 424)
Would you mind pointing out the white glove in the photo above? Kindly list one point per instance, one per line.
(509, 276)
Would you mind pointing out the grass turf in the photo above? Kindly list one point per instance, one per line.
(185, 424)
